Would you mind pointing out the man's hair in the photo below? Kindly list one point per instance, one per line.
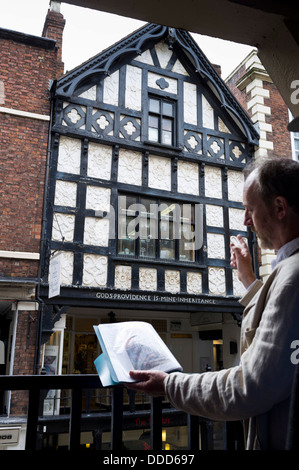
(276, 177)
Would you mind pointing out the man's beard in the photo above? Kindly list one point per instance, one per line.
(263, 241)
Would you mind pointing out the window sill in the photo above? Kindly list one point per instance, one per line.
(157, 261)
(162, 146)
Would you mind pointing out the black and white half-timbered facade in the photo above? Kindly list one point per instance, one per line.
(144, 195)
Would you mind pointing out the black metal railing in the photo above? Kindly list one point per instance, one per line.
(200, 431)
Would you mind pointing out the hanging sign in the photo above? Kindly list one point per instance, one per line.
(54, 275)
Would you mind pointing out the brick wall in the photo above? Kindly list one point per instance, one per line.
(28, 64)
(260, 97)
(22, 172)
(241, 96)
(279, 119)
(24, 357)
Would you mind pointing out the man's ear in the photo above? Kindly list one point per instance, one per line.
(280, 206)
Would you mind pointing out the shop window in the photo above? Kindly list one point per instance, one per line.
(161, 121)
(156, 229)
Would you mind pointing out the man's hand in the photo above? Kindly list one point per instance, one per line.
(241, 259)
(150, 382)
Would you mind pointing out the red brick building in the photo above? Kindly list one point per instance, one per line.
(29, 64)
(254, 89)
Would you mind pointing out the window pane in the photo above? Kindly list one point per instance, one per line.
(167, 249)
(165, 228)
(167, 124)
(187, 252)
(297, 144)
(167, 137)
(155, 228)
(147, 248)
(147, 228)
(153, 134)
(154, 105)
(126, 241)
(153, 121)
(126, 247)
(167, 109)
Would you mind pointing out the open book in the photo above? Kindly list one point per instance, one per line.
(132, 345)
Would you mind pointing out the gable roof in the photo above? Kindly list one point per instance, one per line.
(135, 44)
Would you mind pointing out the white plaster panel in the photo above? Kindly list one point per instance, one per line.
(213, 182)
(194, 283)
(90, 93)
(133, 88)
(173, 84)
(235, 183)
(74, 116)
(214, 215)
(207, 114)
(102, 121)
(99, 161)
(188, 178)
(145, 58)
(164, 53)
(63, 226)
(98, 198)
(65, 193)
(194, 140)
(95, 270)
(130, 127)
(172, 281)
(215, 146)
(69, 155)
(147, 279)
(123, 277)
(217, 281)
(96, 231)
(222, 126)
(159, 173)
(129, 167)
(215, 242)
(236, 219)
(179, 68)
(111, 89)
(238, 288)
(190, 103)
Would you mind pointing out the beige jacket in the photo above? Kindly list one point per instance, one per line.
(258, 389)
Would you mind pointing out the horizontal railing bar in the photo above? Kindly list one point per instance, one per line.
(45, 382)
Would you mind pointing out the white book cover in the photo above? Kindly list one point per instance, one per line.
(130, 346)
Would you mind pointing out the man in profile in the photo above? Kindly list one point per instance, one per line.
(258, 390)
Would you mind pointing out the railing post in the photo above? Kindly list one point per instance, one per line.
(75, 419)
(32, 419)
(156, 423)
(193, 432)
(206, 435)
(116, 418)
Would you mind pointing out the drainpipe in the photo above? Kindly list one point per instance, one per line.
(52, 88)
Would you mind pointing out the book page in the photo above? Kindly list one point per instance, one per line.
(135, 345)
